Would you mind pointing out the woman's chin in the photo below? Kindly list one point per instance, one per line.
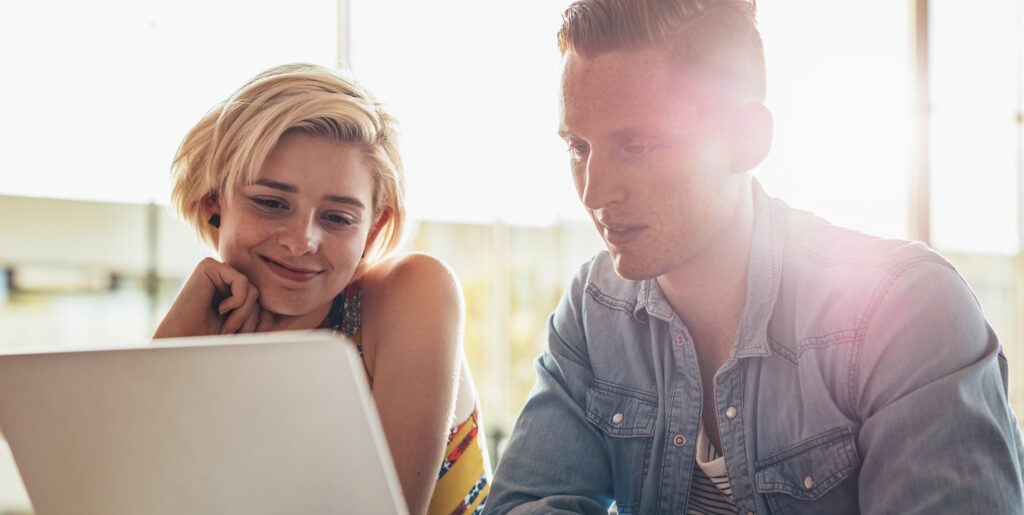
(283, 308)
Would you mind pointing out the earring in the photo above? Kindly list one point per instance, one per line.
(215, 221)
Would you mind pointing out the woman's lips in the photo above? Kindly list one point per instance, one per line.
(290, 273)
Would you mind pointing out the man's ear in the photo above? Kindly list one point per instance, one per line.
(751, 128)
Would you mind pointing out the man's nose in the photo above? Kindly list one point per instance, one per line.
(598, 184)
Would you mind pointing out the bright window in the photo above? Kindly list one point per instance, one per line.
(474, 86)
(839, 84)
(975, 156)
(97, 95)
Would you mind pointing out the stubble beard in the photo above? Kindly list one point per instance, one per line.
(640, 263)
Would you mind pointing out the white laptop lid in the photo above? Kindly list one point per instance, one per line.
(267, 423)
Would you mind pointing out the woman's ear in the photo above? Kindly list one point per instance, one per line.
(210, 207)
(378, 225)
(751, 130)
(210, 211)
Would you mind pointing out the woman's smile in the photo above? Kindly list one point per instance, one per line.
(289, 272)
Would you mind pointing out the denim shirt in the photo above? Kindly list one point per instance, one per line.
(863, 379)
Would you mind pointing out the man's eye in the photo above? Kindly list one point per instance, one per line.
(635, 148)
(577, 151)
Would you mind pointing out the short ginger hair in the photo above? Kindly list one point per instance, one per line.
(717, 37)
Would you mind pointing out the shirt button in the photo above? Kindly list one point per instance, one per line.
(680, 340)
(730, 412)
(617, 418)
(808, 482)
(679, 440)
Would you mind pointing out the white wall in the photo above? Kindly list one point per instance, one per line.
(106, 237)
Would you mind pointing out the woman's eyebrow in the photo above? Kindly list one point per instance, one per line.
(345, 200)
(288, 188)
(277, 185)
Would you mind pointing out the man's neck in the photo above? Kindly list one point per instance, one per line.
(709, 291)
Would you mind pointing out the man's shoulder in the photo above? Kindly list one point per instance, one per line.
(833, 277)
(818, 248)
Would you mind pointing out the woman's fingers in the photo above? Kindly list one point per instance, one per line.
(232, 285)
(267, 320)
(246, 313)
(249, 326)
(254, 310)
(216, 299)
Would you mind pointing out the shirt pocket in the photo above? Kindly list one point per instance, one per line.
(811, 476)
(627, 417)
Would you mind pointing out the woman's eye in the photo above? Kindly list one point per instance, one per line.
(269, 203)
(337, 219)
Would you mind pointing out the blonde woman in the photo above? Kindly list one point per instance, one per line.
(296, 182)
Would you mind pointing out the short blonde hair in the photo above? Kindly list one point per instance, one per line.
(718, 37)
(228, 146)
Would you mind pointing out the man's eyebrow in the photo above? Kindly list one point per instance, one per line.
(288, 188)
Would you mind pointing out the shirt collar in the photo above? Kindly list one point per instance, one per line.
(764, 275)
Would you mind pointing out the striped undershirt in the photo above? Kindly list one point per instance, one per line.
(710, 490)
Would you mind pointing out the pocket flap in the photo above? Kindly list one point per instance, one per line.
(809, 469)
(621, 411)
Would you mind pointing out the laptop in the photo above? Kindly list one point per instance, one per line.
(266, 423)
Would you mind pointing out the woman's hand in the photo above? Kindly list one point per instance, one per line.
(216, 299)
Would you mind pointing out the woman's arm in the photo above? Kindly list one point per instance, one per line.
(412, 334)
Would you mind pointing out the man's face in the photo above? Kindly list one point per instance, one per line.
(649, 157)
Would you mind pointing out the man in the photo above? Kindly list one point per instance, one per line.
(729, 354)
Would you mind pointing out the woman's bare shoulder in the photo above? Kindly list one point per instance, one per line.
(409, 270)
(415, 288)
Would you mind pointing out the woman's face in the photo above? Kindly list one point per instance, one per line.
(299, 232)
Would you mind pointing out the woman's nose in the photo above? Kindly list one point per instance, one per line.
(302, 236)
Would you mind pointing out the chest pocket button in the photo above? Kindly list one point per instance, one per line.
(621, 411)
(811, 468)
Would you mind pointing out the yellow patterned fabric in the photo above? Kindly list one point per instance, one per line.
(464, 479)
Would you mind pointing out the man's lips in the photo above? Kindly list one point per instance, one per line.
(290, 272)
(619, 234)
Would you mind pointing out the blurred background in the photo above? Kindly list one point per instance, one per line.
(899, 118)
